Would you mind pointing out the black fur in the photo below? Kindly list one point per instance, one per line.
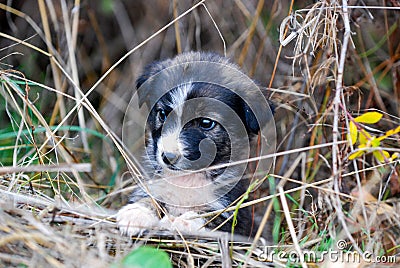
(191, 133)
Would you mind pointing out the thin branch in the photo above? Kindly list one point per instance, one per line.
(336, 163)
(79, 167)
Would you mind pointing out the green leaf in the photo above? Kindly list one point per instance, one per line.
(107, 6)
(369, 118)
(375, 142)
(145, 257)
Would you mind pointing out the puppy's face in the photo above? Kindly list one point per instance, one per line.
(187, 130)
(200, 124)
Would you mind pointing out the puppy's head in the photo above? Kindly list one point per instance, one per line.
(199, 115)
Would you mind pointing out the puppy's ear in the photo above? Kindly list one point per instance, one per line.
(251, 120)
(148, 72)
(253, 125)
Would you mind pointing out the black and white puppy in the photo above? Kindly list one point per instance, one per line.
(200, 120)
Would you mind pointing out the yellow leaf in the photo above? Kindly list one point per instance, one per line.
(356, 154)
(364, 137)
(381, 155)
(394, 156)
(369, 118)
(393, 131)
(352, 135)
(390, 133)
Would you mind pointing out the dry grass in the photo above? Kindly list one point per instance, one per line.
(67, 71)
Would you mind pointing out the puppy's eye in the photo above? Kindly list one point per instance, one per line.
(161, 115)
(207, 124)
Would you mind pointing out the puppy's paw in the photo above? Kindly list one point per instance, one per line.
(134, 218)
(187, 222)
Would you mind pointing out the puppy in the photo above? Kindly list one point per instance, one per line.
(201, 127)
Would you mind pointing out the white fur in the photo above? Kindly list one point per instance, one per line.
(179, 97)
(169, 142)
(132, 219)
(186, 223)
(135, 218)
(189, 190)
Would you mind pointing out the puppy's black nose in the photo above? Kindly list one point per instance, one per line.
(169, 158)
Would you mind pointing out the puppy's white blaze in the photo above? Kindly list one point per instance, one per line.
(169, 142)
(179, 96)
